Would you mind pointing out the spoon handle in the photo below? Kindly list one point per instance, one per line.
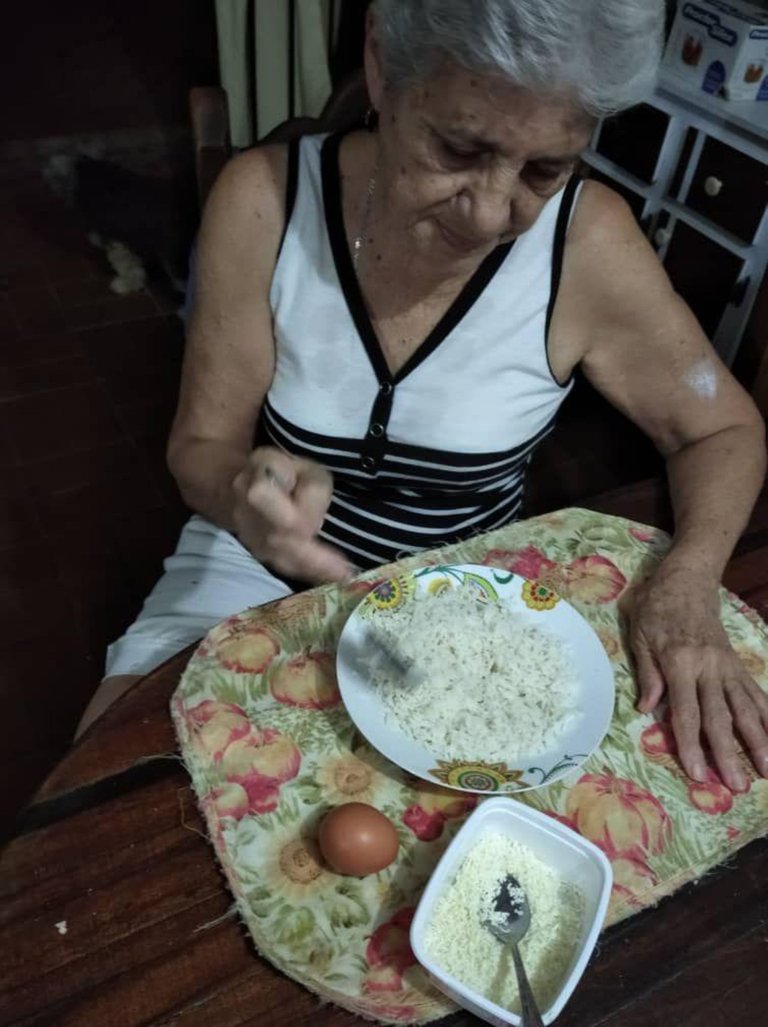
(530, 1009)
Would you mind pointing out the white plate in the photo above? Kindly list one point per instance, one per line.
(535, 603)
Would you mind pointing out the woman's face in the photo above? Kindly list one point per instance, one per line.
(468, 161)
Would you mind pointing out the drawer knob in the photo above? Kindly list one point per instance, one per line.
(662, 236)
(712, 186)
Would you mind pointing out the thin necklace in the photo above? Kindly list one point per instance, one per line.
(357, 242)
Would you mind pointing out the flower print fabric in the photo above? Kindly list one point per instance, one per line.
(270, 749)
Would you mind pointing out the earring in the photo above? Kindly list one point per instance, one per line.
(371, 119)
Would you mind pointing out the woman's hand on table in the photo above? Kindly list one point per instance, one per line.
(681, 648)
(280, 505)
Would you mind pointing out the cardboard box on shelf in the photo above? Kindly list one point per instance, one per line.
(721, 46)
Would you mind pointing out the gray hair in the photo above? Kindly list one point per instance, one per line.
(602, 53)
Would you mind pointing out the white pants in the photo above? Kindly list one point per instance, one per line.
(209, 577)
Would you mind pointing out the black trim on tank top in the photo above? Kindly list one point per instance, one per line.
(465, 463)
(334, 218)
(291, 186)
(558, 251)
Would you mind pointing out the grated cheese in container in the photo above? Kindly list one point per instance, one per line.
(485, 683)
(456, 939)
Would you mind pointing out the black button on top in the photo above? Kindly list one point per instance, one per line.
(374, 444)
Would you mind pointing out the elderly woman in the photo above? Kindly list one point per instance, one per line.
(387, 322)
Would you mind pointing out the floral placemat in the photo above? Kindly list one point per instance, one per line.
(270, 748)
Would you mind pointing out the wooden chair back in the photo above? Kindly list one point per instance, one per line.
(345, 109)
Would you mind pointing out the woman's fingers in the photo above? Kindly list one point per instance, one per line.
(274, 505)
(749, 720)
(722, 707)
(717, 724)
(291, 495)
(307, 560)
(649, 679)
(312, 494)
(680, 646)
(759, 698)
(307, 485)
(275, 467)
(317, 561)
(286, 503)
(686, 718)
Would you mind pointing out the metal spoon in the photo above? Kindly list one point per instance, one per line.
(509, 922)
(402, 666)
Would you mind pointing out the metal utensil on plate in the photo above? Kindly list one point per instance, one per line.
(509, 921)
(401, 665)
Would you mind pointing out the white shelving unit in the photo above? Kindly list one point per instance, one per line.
(742, 126)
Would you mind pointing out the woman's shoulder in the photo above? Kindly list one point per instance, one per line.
(244, 215)
(252, 184)
(607, 250)
(600, 216)
(255, 186)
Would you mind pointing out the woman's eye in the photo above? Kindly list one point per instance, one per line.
(543, 174)
(455, 153)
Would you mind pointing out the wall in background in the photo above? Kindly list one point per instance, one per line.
(90, 66)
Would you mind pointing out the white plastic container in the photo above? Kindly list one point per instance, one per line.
(571, 856)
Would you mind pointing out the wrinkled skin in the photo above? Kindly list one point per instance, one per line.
(681, 649)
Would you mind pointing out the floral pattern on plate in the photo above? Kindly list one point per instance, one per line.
(532, 602)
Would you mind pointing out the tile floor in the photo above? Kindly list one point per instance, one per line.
(88, 510)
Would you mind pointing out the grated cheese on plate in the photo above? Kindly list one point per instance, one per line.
(456, 939)
(484, 684)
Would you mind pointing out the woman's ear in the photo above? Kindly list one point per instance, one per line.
(374, 71)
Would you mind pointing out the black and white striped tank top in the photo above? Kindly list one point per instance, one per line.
(438, 451)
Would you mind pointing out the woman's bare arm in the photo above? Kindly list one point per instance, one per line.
(229, 357)
(643, 349)
(272, 501)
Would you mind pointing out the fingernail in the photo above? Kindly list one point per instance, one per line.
(698, 771)
(739, 782)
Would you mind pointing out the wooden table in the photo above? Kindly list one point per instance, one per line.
(113, 911)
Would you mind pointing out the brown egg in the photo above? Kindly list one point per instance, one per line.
(356, 839)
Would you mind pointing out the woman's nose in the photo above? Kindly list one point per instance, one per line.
(493, 205)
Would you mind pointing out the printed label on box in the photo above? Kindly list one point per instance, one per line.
(721, 48)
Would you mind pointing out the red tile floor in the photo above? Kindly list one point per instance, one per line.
(88, 382)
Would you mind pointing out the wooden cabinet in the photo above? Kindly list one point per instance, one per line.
(706, 275)
(634, 140)
(694, 169)
(730, 189)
